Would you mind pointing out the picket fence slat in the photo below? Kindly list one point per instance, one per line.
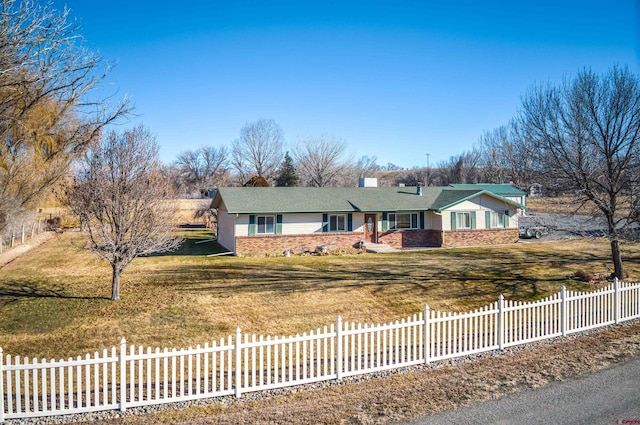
(133, 377)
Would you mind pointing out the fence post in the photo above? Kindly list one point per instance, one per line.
(616, 300)
(123, 374)
(563, 310)
(501, 321)
(13, 239)
(22, 238)
(427, 334)
(339, 349)
(1, 387)
(238, 350)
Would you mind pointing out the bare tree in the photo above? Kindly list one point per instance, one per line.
(496, 152)
(319, 161)
(507, 154)
(258, 151)
(13, 217)
(587, 131)
(216, 164)
(190, 170)
(203, 168)
(51, 103)
(461, 168)
(367, 166)
(122, 198)
(416, 176)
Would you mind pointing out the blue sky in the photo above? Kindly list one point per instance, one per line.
(398, 79)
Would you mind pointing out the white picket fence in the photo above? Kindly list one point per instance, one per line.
(127, 377)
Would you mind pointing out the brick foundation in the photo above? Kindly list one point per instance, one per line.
(410, 238)
(276, 244)
(480, 237)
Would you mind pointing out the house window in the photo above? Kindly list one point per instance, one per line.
(463, 220)
(265, 224)
(497, 219)
(337, 223)
(403, 221)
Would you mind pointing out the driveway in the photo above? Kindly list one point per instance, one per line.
(561, 226)
(611, 396)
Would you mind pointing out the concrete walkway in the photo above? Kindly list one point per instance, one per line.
(379, 248)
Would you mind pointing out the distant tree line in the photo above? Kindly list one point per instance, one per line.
(322, 161)
(319, 161)
(597, 114)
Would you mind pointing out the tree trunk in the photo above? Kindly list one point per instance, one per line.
(617, 260)
(115, 283)
(615, 248)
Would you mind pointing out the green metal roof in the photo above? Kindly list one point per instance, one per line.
(250, 200)
(498, 189)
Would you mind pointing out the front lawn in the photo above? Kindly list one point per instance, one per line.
(54, 301)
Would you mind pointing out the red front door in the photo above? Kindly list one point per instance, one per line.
(370, 228)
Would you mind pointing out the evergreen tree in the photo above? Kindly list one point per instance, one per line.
(287, 176)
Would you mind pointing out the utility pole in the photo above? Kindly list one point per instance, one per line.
(428, 172)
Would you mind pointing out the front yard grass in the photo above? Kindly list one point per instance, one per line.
(54, 301)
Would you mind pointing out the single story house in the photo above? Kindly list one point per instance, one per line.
(253, 220)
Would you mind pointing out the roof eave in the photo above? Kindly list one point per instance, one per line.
(479, 193)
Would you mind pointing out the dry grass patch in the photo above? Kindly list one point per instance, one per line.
(186, 209)
(54, 300)
(556, 205)
(567, 205)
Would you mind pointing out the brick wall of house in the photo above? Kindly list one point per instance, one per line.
(410, 238)
(480, 237)
(276, 244)
(253, 245)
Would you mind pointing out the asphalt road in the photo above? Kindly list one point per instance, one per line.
(611, 396)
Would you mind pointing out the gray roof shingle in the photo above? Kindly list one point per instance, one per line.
(498, 189)
(249, 200)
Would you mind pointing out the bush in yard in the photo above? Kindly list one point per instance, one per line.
(584, 276)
